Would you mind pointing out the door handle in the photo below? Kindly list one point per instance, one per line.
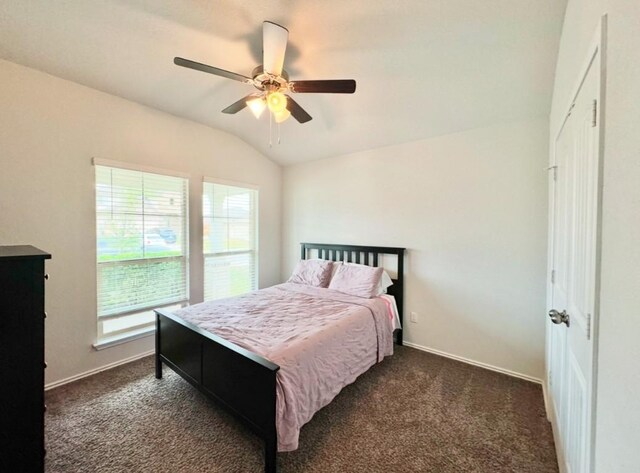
(559, 317)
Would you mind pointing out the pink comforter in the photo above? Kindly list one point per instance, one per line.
(322, 340)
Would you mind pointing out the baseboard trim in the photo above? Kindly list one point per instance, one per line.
(71, 379)
(480, 364)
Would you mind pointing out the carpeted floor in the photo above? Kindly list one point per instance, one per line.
(414, 412)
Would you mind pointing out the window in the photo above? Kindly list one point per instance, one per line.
(142, 247)
(229, 240)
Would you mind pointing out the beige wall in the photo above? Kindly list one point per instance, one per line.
(618, 389)
(471, 208)
(49, 131)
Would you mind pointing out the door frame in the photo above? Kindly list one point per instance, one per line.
(596, 51)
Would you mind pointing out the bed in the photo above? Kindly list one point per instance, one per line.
(218, 354)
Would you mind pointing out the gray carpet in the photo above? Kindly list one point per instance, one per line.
(414, 412)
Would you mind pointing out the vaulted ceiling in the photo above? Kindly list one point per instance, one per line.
(423, 68)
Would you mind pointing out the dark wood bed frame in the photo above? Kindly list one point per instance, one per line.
(243, 382)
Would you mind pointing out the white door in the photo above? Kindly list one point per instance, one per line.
(574, 277)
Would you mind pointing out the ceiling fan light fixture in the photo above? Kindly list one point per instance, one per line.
(272, 81)
(277, 102)
(282, 116)
(257, 106)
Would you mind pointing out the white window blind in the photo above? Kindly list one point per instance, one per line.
(229, 240)
(142, 246)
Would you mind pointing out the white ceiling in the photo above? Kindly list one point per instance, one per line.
(423, 68)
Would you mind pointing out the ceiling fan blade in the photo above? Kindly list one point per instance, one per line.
(297, 111)
(274, 46)
(347, 86)
(211, 70)
(240, 104)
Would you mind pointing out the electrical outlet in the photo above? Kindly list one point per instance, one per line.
(414, 317)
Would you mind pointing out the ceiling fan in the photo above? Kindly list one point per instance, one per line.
(272, 81)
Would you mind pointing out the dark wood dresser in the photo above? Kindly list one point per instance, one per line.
(22, 279)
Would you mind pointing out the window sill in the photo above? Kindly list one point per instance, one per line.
(109, 342)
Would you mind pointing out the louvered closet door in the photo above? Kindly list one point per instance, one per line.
(574, 282)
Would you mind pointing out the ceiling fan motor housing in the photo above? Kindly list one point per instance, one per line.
(268, 82)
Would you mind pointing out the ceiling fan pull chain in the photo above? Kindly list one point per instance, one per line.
(270, 126)
(278, 133)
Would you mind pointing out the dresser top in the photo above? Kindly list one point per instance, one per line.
(22, 251)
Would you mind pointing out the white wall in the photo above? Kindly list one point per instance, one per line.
(49, 131)
(618, 390)
(471, 208)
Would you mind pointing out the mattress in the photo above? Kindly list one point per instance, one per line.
(322, 340)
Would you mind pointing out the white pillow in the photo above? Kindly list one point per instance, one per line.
(385, 282)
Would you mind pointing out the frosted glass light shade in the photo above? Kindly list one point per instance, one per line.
(282, 116)
(257, 106)
(277, 102)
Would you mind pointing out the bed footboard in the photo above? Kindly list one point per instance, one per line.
(241, 381)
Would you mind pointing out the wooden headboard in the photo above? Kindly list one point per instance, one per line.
(368, 255)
